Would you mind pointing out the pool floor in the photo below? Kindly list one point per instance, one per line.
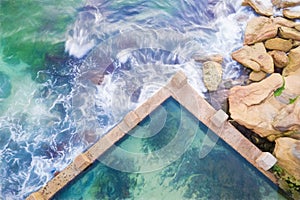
(167, 156)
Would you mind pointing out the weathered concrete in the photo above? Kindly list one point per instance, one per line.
(180, 90)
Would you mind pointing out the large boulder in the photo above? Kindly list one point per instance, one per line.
(259, 29)
(289, 33)
(287, 152)
(255, 106)
(255, 57)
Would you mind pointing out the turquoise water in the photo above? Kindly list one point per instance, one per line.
(222, 174)
(70, 70)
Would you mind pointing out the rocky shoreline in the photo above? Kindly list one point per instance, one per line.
(267, 110)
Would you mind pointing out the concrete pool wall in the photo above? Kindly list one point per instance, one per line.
(181, 91)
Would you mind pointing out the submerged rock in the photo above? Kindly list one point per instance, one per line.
(212, 75)
(287, 152)
(5, 86)
(259, 29)
(254, 57)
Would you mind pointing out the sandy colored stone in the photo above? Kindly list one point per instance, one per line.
(291, 14)
(259, 29)
(257, 76)
(212, 75)
(285, 3)
(288, 117)
(287, 152)
(254, 57)
(255, 106)
(280, 58)
(296, 43)
(294, 61)
(279, 44)
(263, 7)
(280, 21)
(203, 58)
(266, 160)
(289, 33)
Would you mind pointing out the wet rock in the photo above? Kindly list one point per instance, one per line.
(263, 7)
(254, 106)
(254, 57)
(289, 33)
(257, 76)
(287, 152)
(259, 29)
(279, 44)
(280, 58)
(212, 75)
(203, 58)
(294, 60)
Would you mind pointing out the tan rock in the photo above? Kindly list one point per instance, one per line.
(254, 57)
(287, 152)
(288, 118)
(284, 22)
(263, 7)
(212, 75)
(257, 76)
(296, 43)
(297, 27)
(291, 13)
(289, 33)
(259, 29)
(278, 44)
(285, 3)
(255, 106)
(203, 58)
(294, 61)
(280, 58)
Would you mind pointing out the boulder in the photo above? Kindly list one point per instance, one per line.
(263, 7)
(289, 33)
(288, 118)
(212, 75)
(254, 57)
(257, 76)
(285, 3)
(203, 58)
(279, 44)
(255, 107)
(259, 29)
(287, 152)
(294, 61)
(280, 58)
(292, 13)
(280, 21)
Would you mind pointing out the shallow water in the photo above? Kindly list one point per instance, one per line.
(142, 165)
(70, 70)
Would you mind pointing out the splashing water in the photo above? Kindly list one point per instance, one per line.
(54, 105)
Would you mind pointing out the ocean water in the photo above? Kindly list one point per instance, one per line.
(70, 70)
(163, 162)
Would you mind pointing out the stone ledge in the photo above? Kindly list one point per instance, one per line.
(266, 160)
(35, 196)
(81, 162)
(129, 122)
(178, 80)
(219, 118)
